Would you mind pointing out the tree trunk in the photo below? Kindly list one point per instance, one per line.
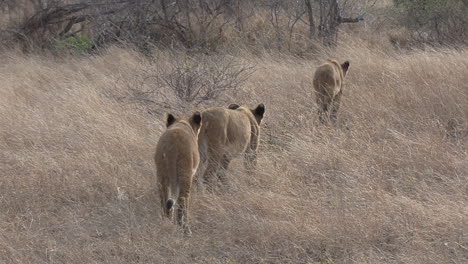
(328, 26)
(310, 14)
(330, 19)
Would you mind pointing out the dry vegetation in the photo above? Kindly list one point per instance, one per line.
(388, 184)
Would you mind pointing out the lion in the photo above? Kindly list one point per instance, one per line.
(225, 134)
(328, 85)
(177, 158)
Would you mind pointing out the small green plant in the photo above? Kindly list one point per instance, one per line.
(79, 44)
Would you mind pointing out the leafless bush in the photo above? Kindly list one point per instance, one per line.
(192, 24)
(202, 78)
(283, 16)
(49, 21)
(435, 22)
(211, 25)
(189, 23)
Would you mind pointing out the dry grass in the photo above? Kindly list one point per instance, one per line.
(385, 186)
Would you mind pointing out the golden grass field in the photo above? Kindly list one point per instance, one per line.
(386, 185)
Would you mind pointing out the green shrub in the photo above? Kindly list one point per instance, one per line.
(78, 44)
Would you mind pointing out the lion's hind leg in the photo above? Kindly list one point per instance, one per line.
(335, 106)
(323, 107)
(212, 168)
(183, 202)
(222, 171)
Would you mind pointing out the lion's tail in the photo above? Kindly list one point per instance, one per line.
(169, 204)
(170, 201)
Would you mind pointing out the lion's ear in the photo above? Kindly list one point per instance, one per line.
(345, 66)
(233, 106)
(197, 118)
(259, 111)
(170, 119)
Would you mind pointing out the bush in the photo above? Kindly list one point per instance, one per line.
(203, 78)
(434, 21)
(189, 24)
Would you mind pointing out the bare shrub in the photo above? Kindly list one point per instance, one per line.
(188, 23)
(50, 21)
(195, 79)
(435, 22)
(183, 82)
(295, 27)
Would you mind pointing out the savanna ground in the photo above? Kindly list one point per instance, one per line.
(388, 184)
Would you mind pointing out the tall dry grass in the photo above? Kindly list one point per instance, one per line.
(386, 185)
